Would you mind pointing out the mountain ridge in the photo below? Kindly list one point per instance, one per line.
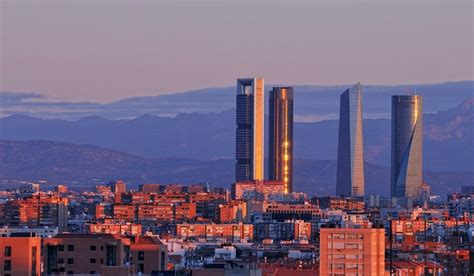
(312, 102)
(447, 142)
(84, 166)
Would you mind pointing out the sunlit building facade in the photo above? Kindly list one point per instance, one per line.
(250, 117)
(352, 251)
(350, 156)
(280, 148)
(407, 146)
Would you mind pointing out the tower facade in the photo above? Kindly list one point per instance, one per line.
(407, 146)
(350, 153)
(249, 144)
(280, 148)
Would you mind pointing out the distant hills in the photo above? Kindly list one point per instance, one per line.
(312, 102)
(448, 136)
(83, 166)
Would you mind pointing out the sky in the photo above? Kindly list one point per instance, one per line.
(108, 50)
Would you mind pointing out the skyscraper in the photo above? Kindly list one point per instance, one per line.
(350, 155)
(407, 146)
(280, 148)
(250, 130)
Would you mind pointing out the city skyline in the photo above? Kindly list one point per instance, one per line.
(106, 168)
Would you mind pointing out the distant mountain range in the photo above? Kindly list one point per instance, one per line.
(448, 140)
(312, 102)
(82, 166)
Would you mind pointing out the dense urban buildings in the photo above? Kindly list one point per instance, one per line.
(407, 146)
(249, 136)
(259, 189)
(263, 229)
(350, 156)
(280, 147)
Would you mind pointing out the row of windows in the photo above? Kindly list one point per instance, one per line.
(61, 247)
(341, 245)
(346, 236)
(347, 256)
(71, 261)
(70, 247)
(345, 266)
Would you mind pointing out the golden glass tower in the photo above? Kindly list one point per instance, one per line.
(407, 146)
(250, 111)
(280, 147)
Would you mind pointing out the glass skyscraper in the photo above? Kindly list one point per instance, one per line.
(280, 148)
(350, 155)
(407, 146)
(249, 151)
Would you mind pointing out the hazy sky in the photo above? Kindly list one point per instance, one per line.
(107, 50)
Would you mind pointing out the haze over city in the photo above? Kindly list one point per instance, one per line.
(109, 50)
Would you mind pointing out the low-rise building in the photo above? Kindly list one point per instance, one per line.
(20, 254)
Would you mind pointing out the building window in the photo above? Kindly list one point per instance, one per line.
(93, 248)
(163, 260)
(141, 255)
(141, 268)
(60, 260)
(352, 246)
(70, 247)
(33, 260)
(351, 266)
(8, 251)
(70, 272)
(7, 265)
(61, 247)
(70, 261)
(92, 261)
(339, 256)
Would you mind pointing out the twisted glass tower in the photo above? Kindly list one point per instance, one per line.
(280, 148)
(350, 155)
(407, 146)
(249, 146)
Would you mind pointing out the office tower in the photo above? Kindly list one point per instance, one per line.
(407, 146)
(350, 155)
(280, 148)
(250, 130)
(352, 251)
